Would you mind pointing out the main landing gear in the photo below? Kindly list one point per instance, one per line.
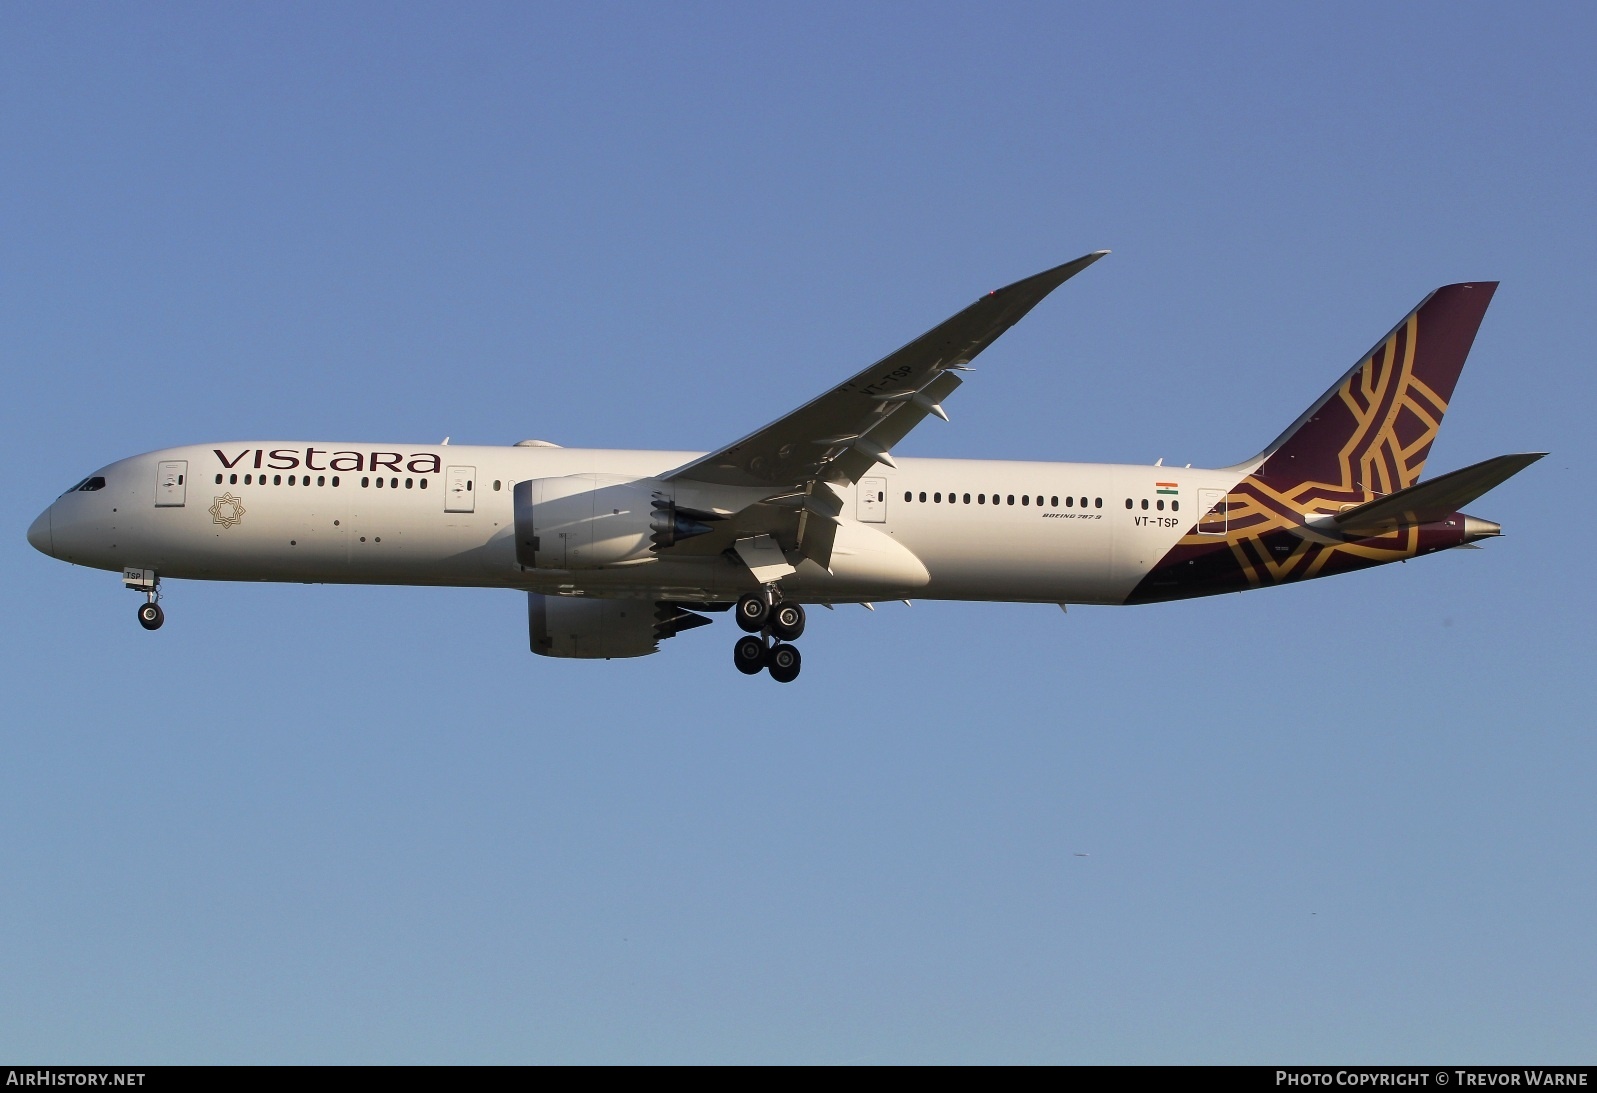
(771, 625)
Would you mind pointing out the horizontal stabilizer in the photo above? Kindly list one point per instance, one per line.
(1426, 502)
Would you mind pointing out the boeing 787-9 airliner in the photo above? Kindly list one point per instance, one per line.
(618, 550)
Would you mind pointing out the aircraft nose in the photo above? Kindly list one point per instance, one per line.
(39, 534)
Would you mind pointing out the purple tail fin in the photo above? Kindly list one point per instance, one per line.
(1371, 432)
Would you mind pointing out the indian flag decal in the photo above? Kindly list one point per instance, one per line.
(1166, 487)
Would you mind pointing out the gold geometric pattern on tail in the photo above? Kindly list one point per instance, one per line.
(1367, 437)
(1397, 415)
(1395, 418)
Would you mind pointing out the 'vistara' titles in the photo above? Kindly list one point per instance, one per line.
(287, 459)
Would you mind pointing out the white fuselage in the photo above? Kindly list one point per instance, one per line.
(443, 515)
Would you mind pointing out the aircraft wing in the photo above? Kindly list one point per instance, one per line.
(839, 436)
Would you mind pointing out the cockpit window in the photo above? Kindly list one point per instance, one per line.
(88, 485)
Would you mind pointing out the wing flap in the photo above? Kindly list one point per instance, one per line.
(851, 461)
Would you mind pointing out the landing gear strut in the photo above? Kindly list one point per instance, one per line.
(766, 618)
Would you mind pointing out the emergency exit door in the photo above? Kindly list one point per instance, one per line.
(460, 489)
(871, 507)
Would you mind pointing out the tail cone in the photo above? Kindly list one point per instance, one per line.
(1480, 529)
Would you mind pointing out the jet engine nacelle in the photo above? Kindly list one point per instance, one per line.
(583, 628)
(584, 521)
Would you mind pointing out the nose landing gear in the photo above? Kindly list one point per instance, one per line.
(144, 580)
(765, 618)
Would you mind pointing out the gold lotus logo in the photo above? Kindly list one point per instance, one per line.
(227, 510)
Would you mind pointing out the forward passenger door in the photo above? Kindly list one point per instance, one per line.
(460, 489)
(170, 483)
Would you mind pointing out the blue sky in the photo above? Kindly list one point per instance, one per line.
(1346, 821)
